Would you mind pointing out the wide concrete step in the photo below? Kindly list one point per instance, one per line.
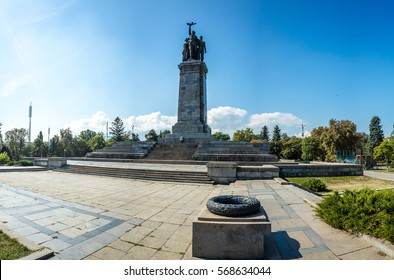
(142, 174)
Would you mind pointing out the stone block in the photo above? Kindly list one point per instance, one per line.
(220, 237)
(57, 162)
(222, 172)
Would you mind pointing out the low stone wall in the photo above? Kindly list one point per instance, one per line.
(52, 162)
(320, 170)
(257, 172)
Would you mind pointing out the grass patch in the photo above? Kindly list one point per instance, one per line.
(11, 249)
(342, 183)
(365, 211)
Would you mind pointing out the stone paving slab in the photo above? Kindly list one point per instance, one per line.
(89, 217)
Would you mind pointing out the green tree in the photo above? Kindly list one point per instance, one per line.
(276, 144)
(151, 135)
(220, 136)
(66, 142)
(291, 148)
(117, 131)
(16, 141)
(265, 134)
(245, 135)
(376, 135)
(39, 147)
(97, 142)
(163, 133)
(1, 135)
(311, 149)
(385, 151)
(54, 148)
(87, 134)
(134, 137)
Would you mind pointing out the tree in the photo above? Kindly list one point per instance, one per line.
(151, 135)
(66, 142)
(54, 148)
(117, 130)
(1, 135)
(97, 142)
(291, 148)
(245, 135)
(376, 135)
(276, 145)
(265, 134)
(16, 141)
(385, 151)
(87, 134)
(339, 135)
(311, 149)
(220, 136)
(163, 133)
(39, 147)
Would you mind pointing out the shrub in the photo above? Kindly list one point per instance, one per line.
(25, 163)
(365, 211)
(4, 158)
(315, 185)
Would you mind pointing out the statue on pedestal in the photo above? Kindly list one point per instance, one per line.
(193, 48)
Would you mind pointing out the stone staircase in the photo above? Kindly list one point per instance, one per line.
(172, 152)
(233, 151)
(124, 150)
(140, 174)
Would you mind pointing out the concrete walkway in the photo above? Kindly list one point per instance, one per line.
(379, 175)
(90, 217)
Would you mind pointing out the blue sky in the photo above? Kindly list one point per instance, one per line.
(83, 62)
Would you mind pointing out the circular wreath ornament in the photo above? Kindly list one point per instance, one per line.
(233, 205)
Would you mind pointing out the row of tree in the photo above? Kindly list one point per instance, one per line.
(322, 144)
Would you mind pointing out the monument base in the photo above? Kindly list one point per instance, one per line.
(220, 237)
(190, 138)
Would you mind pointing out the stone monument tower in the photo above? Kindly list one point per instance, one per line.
(192, 126)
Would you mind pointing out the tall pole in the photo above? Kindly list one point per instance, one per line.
(107, 131)
(30, 115)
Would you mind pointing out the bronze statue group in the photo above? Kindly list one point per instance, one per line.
(194, 48)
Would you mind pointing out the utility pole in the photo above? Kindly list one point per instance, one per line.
(30, 115)
(49, 134)
(107, 130)
(303, 129)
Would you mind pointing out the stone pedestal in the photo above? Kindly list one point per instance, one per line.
(222, 172)
(192, 105)
(220, 237)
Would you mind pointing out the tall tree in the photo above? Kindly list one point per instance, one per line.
(163, 133)
(1, 135)
(151, 135)
(291, 148)
(117, 130)
(265, 134)
(220, 136)
(376, 135)
(245, 135)
(97, 142)
(16, 141)
(39, 146)
(311, 149)
(276, 145)
(66, 142)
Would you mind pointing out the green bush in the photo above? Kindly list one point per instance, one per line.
(4, 158)
(25, 163)
(315, 185)
(365, 211)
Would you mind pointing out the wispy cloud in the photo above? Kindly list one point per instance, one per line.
(11, 86)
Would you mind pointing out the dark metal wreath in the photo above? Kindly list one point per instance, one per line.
(233, 205)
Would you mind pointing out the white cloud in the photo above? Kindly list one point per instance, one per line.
(226, 119)
(11, 86)
(144, 123)
(257, 121)
(96, 122)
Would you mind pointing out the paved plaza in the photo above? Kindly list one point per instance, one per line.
(92, 217)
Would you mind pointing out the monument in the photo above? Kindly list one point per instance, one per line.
(192, 126)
